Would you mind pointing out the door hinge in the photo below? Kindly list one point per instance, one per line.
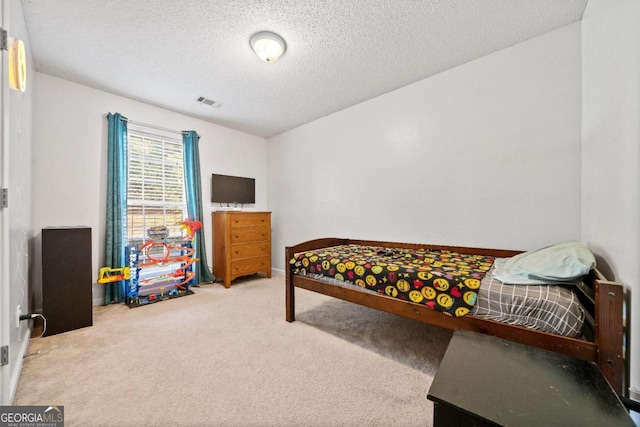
(4, 355)
(4, 40)
(4, 198)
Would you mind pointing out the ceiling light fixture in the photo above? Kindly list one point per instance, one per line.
(268, 46)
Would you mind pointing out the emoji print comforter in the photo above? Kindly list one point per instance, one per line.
(442, 280)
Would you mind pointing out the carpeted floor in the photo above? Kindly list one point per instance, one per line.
(227, 357)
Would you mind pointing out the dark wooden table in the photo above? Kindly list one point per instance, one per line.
(487, 381)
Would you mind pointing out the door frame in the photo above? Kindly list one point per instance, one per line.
(5, 377)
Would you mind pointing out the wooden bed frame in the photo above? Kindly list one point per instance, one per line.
(603, 302)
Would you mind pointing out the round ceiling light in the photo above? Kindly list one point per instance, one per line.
(268, 46)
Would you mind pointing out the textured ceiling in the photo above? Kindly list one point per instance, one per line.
(339, 52)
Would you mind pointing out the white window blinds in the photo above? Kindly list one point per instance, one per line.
(155, 186)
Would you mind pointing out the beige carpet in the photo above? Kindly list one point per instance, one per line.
(227, 357)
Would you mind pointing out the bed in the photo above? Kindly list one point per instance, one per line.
(599, 336)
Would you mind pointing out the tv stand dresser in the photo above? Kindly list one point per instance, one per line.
(241, 244)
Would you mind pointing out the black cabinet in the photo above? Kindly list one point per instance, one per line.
(487, 381)
(66, 279)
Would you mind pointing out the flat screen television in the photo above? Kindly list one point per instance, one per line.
(232, 189)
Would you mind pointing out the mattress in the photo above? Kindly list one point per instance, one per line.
(549, 308)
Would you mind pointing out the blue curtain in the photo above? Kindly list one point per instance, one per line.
(116, 203)
(194, 203)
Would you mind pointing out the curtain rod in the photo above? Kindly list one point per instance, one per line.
(133, 122)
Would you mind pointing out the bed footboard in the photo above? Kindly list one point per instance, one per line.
(290, 300)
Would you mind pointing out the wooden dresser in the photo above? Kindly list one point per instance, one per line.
(241, 244)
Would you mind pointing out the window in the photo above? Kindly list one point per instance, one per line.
(155, 187)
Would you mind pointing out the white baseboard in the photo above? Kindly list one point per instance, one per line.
(22, 351)
(634, 394)
(277, 272)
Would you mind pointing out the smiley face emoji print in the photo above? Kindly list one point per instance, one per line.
(444, 281)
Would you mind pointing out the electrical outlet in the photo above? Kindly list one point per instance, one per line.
(18, 314)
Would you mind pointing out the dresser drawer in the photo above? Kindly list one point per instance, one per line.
(249, 250)
(243, 235)
(250, 220)
(249, 265)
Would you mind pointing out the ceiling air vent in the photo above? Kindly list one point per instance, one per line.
(210, 102)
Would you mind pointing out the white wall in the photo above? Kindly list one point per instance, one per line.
(18, 216)
(611, 149)
(486, 154)
(70, 157)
